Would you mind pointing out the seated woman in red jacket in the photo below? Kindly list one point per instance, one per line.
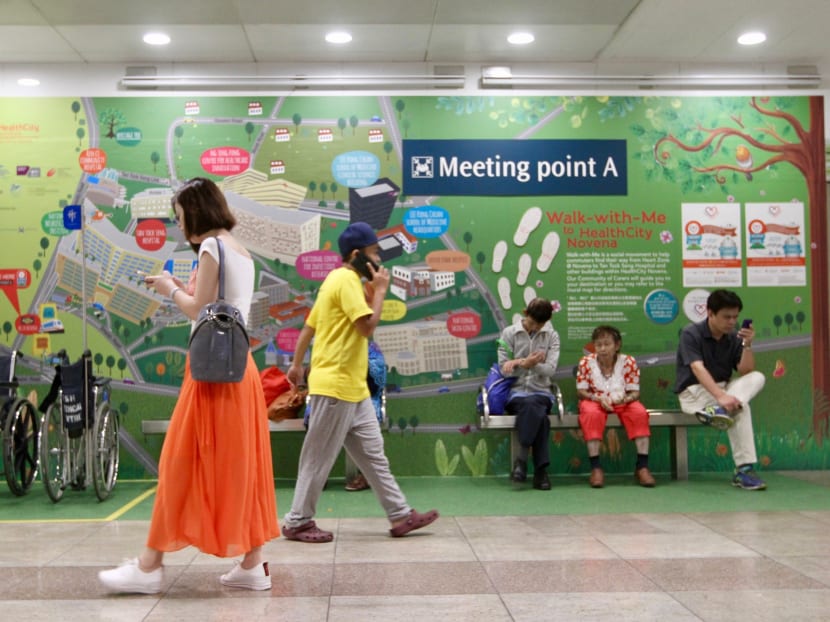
(608, 381)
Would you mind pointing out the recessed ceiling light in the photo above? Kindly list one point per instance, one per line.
(28, 82)
(156, 38)
(338, 36)
(521, 38)
(752, 38)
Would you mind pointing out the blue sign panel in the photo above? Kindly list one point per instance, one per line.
(515, 167)
(72, 219)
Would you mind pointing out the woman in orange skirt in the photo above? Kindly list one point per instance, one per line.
(216, 484)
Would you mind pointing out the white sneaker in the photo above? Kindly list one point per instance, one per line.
(129, 578)
(257, 578)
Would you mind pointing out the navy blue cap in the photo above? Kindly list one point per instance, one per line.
(356, 235)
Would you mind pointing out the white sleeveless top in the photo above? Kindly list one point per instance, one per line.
(239, 275)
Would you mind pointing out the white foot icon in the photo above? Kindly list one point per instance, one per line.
(550, 246)
(499, 253)
(530, 220)
(525, 262)
(504, 292)
(530, 294)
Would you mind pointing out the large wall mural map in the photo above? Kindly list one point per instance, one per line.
(621, 210)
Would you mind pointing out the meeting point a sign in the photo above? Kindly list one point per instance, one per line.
(515, 167)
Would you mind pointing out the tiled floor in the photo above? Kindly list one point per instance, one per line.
(770, 565)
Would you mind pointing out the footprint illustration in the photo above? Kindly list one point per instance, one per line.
(517, 317)
(530, 294)
(550, 246)
(504, 292)
(499, 253)
(530, 220)
(525, 262)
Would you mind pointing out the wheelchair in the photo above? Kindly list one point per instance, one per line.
(79, 431)
(19, 425)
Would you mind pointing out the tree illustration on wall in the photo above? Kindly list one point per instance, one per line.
(731, 141)
(111, 119)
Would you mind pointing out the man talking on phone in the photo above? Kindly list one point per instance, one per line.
(708, 353)
(342, 414)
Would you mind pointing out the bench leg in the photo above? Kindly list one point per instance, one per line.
(515, 447)
(679, 444)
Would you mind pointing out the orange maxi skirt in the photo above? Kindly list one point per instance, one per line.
(216, 480)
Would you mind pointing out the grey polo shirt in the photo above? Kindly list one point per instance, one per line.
(720, 356)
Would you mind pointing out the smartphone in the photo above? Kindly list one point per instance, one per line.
(361, 263)
(746, 323)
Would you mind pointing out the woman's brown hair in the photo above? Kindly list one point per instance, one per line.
(204, 207)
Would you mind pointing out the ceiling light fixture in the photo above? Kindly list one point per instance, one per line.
(752, 38)
(338, 36)
(521, 38)
(790, 80)
(28, 82)
(226, 83)
(156, 38)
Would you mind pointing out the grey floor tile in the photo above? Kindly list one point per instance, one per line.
(107, 610)
(597, 607)
(732, 523)
(684, 545)
(241, 610)
(505, 547)
(725, 573)
(412, 578)
(758, 605)
(463, 608)
(814, 566)
(585, 575)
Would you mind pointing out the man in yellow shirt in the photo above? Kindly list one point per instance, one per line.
(340, 323)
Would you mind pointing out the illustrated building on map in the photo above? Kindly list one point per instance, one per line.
(408, 282)
(373, 204)
(256, 186)
(419, 347)
(274, 232)
(152, 203)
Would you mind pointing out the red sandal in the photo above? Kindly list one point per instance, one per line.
(308, 532)
(416, 520)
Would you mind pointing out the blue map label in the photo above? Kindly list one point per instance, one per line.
(356, 169)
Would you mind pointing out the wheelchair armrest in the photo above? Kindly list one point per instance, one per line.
(101, 382)
(9, 385)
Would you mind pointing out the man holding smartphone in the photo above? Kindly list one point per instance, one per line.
(708, 353)
(342, 413)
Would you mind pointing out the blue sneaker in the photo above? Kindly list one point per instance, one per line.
(715, 416)
(747, 479)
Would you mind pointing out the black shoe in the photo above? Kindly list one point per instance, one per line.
(541, 480)
(519, 473)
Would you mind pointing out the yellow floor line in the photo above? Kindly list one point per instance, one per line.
(126, 508)
(119, 512)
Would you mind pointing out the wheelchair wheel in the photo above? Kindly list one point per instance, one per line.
(53, 453)
(20, 446)
(105, 451)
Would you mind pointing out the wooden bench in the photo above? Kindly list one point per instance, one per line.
(677, 421)
(159, 426)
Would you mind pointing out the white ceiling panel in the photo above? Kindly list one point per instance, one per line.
(671, 32)
(488, 44)
(206, 43)
(34, 44)
(386, 43)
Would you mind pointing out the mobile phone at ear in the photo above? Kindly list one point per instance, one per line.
(746, 323)
(361, 263)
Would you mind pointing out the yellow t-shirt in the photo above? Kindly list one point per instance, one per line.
(339, 356)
